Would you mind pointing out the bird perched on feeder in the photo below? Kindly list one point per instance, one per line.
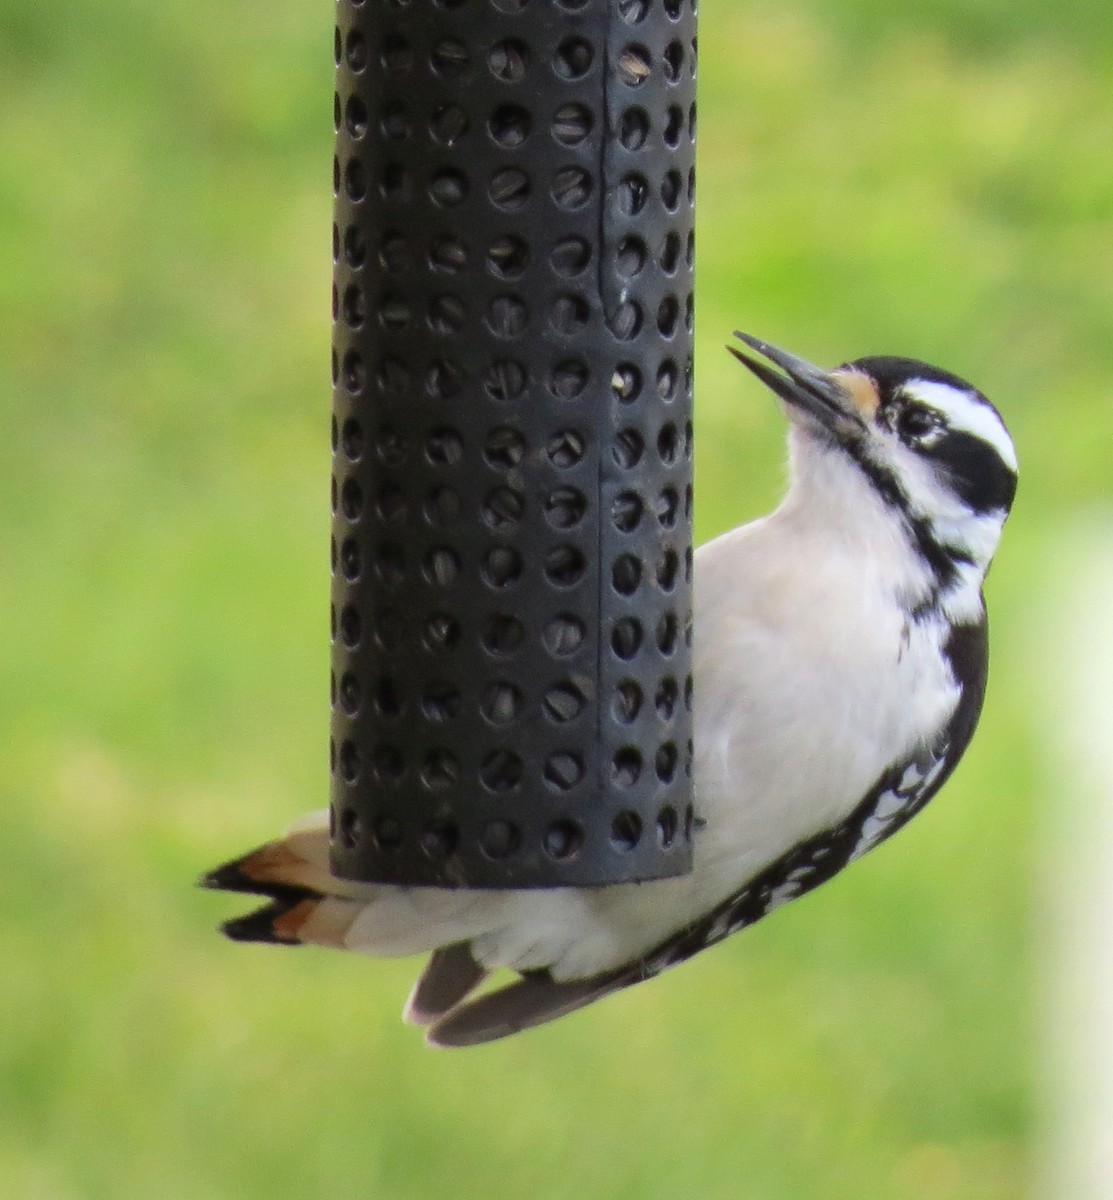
(840, 663)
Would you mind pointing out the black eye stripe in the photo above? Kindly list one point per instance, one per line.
(914, 419)
(977, 473)
(891, 374)
(975, 470)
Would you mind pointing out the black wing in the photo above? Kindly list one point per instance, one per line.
(900, 793)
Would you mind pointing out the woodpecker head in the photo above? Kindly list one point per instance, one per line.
(934, 451)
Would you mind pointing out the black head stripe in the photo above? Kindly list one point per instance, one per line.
(891, 373)
(941, 559)
(972, 466)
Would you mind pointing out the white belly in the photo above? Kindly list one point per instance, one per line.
(807, 686)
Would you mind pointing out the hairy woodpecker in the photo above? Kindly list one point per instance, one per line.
(840, 661)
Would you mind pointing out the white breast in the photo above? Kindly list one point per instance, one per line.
(810, 682)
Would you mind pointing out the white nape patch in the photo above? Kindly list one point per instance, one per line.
(966, 412)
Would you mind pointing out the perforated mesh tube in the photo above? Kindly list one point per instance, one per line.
(512, 441)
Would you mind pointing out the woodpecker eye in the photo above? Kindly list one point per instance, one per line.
(914, 422)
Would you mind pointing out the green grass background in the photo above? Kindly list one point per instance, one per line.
(934, 180)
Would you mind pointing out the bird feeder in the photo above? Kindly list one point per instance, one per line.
(512, 441)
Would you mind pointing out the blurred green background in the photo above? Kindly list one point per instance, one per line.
(934, 180)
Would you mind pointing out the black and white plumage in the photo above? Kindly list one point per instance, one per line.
(840, 665)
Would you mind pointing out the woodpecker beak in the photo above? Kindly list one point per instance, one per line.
(839, 401)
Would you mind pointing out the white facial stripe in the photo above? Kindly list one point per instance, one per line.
(978, 536)
(966, 412)
(952, 523)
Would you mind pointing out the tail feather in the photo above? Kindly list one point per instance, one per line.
(262, 925)
(466, 933)
(307, 902)
(275, 923)
(297, 862)
(321, 922)
(249, 874)
(450, 975)
(296, 921)
(524, 1004)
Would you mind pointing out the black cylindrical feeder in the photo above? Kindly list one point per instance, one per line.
(512, 441)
